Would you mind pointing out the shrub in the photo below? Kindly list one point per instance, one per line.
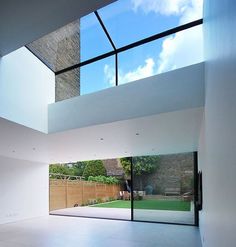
(75, 170)
(94, 168)
(103, 179)
(99, 200)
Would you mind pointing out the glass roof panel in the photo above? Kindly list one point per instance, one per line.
(172, 52)
(93, 39)
(92, 76)
(128, 21)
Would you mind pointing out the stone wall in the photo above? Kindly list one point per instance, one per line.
(175, 171)
(113, 167)
(58, 50)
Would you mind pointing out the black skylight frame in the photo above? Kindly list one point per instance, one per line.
(116, 50)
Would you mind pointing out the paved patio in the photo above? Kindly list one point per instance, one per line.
(183, 217)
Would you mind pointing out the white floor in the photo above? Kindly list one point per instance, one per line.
(58, 231)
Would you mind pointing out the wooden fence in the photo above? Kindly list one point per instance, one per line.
(65, 193)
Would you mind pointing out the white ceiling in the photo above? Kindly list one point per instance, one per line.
(22, 22)
(172, 132)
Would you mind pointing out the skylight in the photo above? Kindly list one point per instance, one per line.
(124, 41)
(130, 20)
(93, 40)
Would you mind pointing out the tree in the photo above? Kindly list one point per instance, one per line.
(141, 164)
(79, 168)
(126, 165)
(94, 168)
(59, 169)
(145, 164)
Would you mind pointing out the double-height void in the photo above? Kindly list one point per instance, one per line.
(128, 83)
(123, 84)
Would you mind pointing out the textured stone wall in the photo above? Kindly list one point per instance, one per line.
(58, 50)
(175, 171)
(113, 167)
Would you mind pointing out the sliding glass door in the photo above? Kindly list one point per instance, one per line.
(163, 188)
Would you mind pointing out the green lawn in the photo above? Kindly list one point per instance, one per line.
(174, 205)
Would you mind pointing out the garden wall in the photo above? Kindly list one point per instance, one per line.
(175, 171)
(66, 193)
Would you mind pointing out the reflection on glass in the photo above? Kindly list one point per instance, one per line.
(164, 188)
(93, 39)
(175, 51)
(128, 20)
(96, 76)
(95, 188)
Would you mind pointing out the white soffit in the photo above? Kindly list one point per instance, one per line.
(172, 132)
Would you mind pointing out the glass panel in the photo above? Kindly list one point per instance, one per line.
(59, 49)
(163, 188)
(95, 188)
(92, 37)
(130, 20)
(96, 76)
(175, 51)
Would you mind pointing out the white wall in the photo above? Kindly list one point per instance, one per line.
(218, 159)
(172, 91)
(23, 189)
(27, 86)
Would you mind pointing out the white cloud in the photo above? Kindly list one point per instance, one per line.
(193, 11)
(142, 71)
(186, 47)
(178, 50)
(109, 73)
(163, 7)
(139, 73)
(181, 49)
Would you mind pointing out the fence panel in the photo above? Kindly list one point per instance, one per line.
(68, 193)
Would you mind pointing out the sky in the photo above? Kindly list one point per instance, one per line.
(130, 20)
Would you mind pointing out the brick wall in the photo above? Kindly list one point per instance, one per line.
(175, 171)
(58, 50)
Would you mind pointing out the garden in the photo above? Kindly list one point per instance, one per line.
(174, 205)
(86, 183)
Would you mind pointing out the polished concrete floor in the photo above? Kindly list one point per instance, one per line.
(182, 217)
(58, 231)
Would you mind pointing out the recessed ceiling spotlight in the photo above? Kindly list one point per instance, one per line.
(13, 151)
(101, 139)
(34, 149)
(137, 134)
